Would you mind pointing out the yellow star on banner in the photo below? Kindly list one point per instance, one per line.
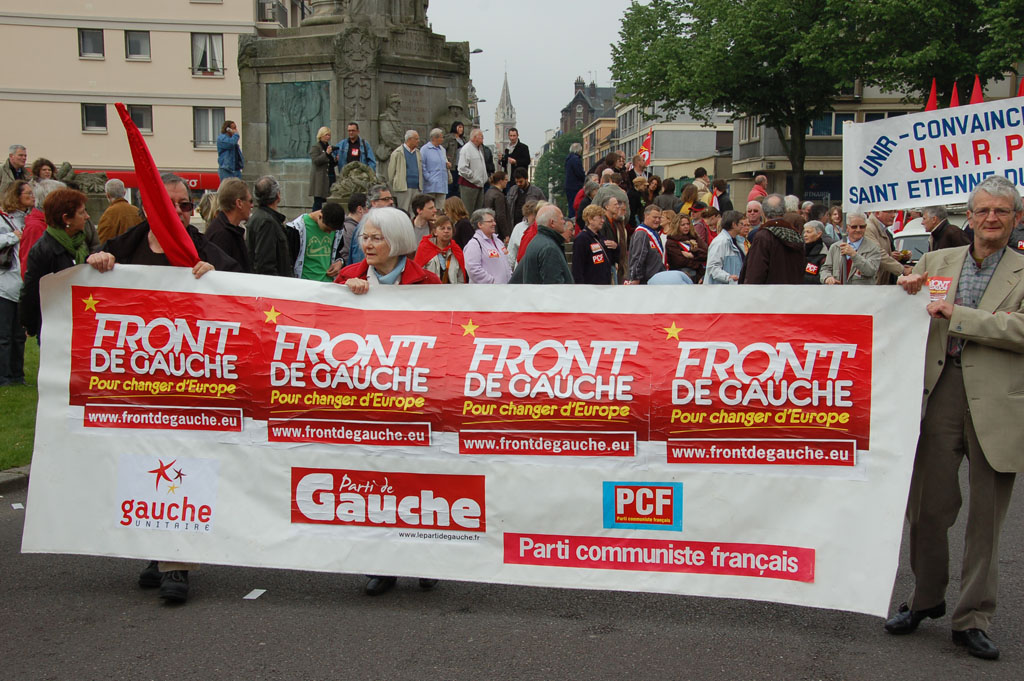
(171, 489)
(469, 329)
(672, 331)
(271, 315)
(90, 303)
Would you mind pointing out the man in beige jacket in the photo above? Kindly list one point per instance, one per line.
(973, 401)
(878, 231)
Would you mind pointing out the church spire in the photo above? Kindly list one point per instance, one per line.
(504, 115)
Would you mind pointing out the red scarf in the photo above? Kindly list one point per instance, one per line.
(428, 250)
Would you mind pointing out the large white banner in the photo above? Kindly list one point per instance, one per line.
(933, 157)
(744, 442)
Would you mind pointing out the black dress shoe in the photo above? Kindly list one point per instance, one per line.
(379, 585)
(977, 643)
(905, 621)
(427, 584)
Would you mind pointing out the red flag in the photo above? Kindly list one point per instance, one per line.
(645, 148)
(162, 216)
(714, 199)
(1020, 88)
(933, 99)
(977, 96)
(898, 222)
(955, 99)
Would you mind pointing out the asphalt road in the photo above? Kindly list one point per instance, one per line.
(77, 617)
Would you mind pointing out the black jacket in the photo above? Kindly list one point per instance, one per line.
(46, 257)
(268, 244)
(590, 261)
(522, 156)
(946, 235)
(1017, 238)
(815, 255)
(123, 247)
(230, 239)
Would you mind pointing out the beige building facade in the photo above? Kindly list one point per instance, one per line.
(172, 63)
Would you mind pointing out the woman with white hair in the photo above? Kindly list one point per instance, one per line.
(388, 241)
(321, 175)
(815, 250)
(486, 257)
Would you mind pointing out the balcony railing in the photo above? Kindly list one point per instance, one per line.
(273, 11)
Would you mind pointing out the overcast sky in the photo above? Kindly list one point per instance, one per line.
(545, 45)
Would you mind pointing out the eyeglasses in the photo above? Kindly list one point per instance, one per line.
(383, 199)
(1001, 213)
(375, 239)
(186, 206)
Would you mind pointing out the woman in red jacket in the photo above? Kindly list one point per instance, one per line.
(388, 240)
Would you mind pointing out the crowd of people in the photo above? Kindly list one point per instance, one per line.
(625, 226)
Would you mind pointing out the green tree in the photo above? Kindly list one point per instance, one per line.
(551, 168)
(785, 61)
(963, 38)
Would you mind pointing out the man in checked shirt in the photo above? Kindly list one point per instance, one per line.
(973, 401)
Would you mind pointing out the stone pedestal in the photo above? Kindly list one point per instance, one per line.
(384, 69)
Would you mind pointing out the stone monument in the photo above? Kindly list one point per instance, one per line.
(374, 62)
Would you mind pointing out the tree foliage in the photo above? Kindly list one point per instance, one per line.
(960, 38)
(787, 61)
(551, 168)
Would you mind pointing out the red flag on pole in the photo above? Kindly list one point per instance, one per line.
(899, 222)
(977, 96)
(933, 99)
(162, 216)
(645, 148)
(954, 100)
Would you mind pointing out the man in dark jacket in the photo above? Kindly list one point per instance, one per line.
(139, 245)
(521, 193)
(943, 234)
(776, 254)
(724, 202)
(574, 175)
(544, 262)
(516, 156)
(264, 233)
(235, 203)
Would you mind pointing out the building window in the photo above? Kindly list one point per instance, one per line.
(207, 122)
(750, 129)
(94, 117)
(207, 54)
(90, 43)
(842, 118)
(579, 108)
(136, 45)
(579, 122)
(829, 125)
(142, 116)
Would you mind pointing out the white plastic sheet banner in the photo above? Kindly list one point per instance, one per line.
(933, 157)
(746, 442)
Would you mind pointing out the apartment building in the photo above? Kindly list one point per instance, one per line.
(172, 63)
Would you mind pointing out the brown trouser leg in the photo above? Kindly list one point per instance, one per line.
(947, 434)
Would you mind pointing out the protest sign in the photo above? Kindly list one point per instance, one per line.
(933, 157)
(735, 443)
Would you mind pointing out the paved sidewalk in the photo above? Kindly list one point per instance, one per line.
(14, 478)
